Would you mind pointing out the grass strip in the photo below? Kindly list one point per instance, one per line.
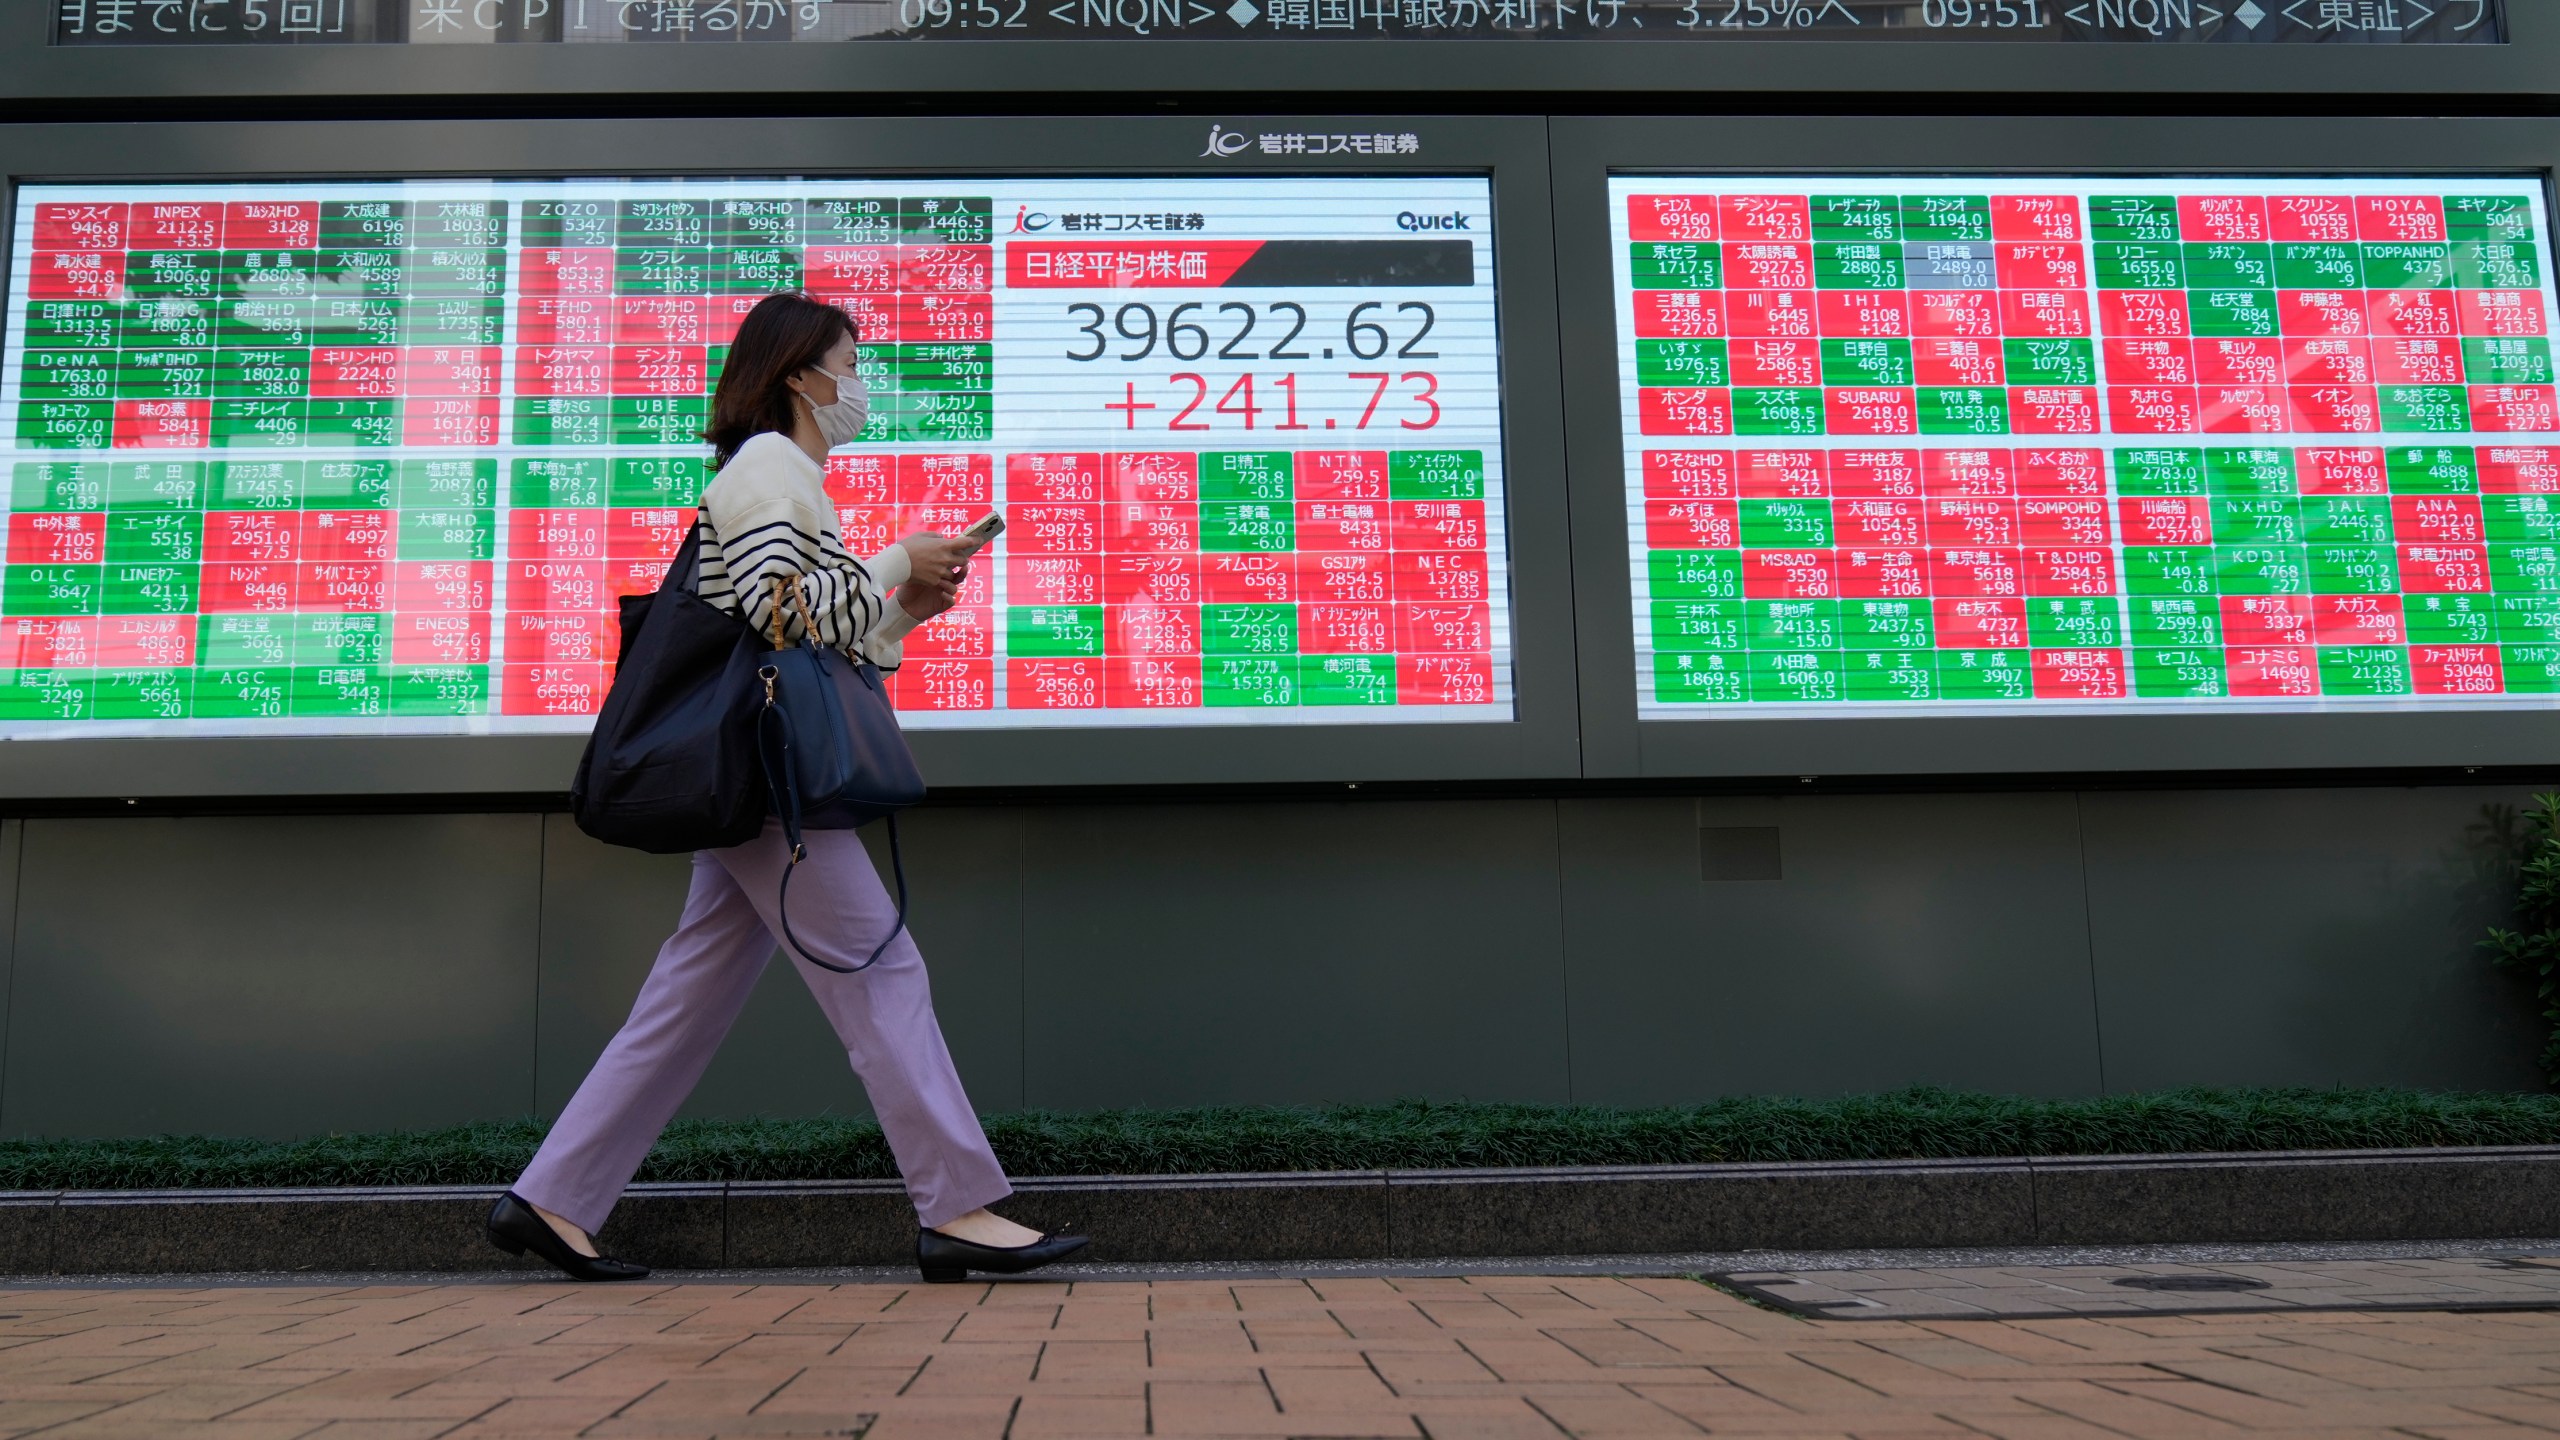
(1920, 1123)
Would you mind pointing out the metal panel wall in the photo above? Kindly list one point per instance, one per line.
(423, 970)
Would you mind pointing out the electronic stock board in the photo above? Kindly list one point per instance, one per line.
(335, 458)
(1910, 446)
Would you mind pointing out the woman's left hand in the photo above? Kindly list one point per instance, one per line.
(924, 599)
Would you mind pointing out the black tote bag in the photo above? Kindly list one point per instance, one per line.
(672, 765)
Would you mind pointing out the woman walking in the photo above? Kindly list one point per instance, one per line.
(788, 394)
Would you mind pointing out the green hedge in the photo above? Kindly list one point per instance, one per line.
(1918, 1123)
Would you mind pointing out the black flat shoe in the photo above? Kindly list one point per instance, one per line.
(514, 1228)
(945, 1258)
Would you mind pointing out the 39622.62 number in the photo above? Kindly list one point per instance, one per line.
(1184, 330)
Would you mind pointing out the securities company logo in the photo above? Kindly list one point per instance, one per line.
(1224, 142)
(1027, 221)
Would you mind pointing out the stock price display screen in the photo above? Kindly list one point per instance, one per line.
(1899, 445)
(380, 458)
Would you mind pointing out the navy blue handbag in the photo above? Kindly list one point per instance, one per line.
(833, 756)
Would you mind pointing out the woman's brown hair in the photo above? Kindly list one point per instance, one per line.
(782, 336)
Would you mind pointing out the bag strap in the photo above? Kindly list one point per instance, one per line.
(773, 747)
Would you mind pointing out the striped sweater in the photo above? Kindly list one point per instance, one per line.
(770, 518)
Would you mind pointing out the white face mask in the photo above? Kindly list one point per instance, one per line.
(841, 421)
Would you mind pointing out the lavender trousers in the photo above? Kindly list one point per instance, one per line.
(704, 973)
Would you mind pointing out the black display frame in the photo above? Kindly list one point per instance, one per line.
(1539, 743)
(1588, 151)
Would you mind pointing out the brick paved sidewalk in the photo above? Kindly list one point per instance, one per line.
(1490, 1357)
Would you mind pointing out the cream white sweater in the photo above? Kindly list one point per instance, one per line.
(770, 517)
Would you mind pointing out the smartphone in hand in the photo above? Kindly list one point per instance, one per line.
(988, 527)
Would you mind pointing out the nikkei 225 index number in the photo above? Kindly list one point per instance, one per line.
(1235, 332)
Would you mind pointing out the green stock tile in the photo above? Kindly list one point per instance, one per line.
(2250, 470)
(945, 219)
(939, 419)
(50, 374)
(2169, 569)
(46, 694)
(2488, 217)
(2124, 265)
(582, 482)
(1347, 680)
(2133, 217)
(2521, 518)
(244, 641)
(2432, 470)
(2247, 521)
(1247, 526)
(945, 367)
(1777, 411)
(2176, 621)
(2083, 622)
(2364, 670)
(563, 420)
(164, 375)
(381, 224)
(1699, 625)
(169, 322)
(1785, 524)
(455, 534)
(2232, 312)
(657, 481)
(149, 590)
(2159, 471)
(1435, 474)
(1675, 266)
(261, 424)
(646, 269)
(2262, 570)
(348, 484)
(1701, 679)
(2408, 267)
(164, 694)
(2507, 360)
(339, 639)
(1264, 475)
(2179, 673)
(439, 689)
(355, 422)
(1230, 680)
(1891, 675)
(58, 485)
(161, 485)
(1694, 574)
(1856, 217)
(444, 224)
(1985, 675)
(2306, 265)
(2452, 619)
(1865, 362)
(773, 220)
(52, 589)
(1887, 625)
(442, 483)
(338, 690)
(155, 537)
(2424, 409)
(662, 419)
(66, 424)
(1946, 217)
(1041, 630)
(1792, 624)
(454, 320)
(2050, 362)
(1963, 410)
(1857, 265)
(270, 324)
(73, 324)
(2224, 265)
(174, 274)
(2347, 519)
(2353, 569)
(1681, 362)
(377, 274)
(1248, 629)
(2524, 569)
(2496, 265)
(2531, 669)
(2527, 619)
(244, 693)
(458, 272)
(850, 222)
(753, 270)
(1800, 676)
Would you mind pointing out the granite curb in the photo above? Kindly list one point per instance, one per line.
(2336, 1195)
